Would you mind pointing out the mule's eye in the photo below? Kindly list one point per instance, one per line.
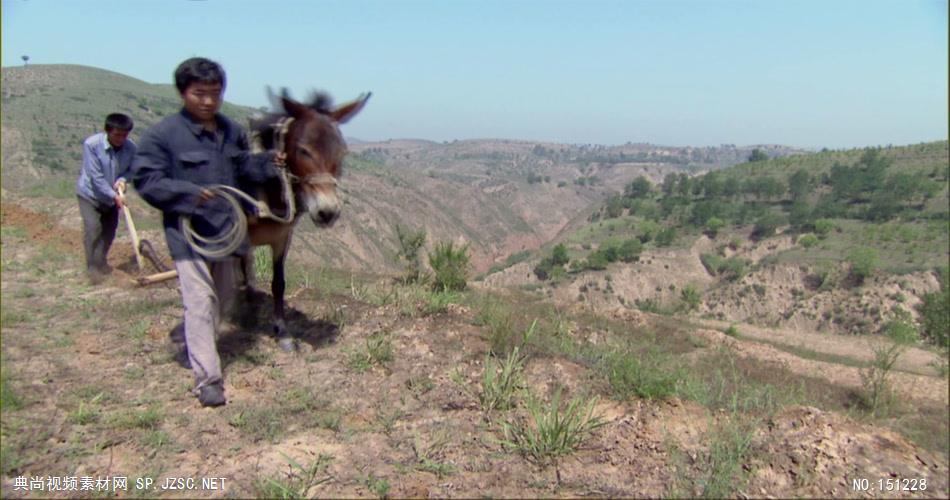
(306, 152)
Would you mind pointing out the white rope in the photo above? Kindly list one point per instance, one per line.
(229, 240)
(225, 243)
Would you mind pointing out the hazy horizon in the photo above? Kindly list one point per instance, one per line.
(681, 73)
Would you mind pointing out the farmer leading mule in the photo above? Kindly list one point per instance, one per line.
(178, 160)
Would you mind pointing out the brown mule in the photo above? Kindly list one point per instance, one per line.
(310, 137)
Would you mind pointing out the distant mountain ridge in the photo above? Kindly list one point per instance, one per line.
(500, 196)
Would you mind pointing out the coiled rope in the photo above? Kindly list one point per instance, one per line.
(229, 240)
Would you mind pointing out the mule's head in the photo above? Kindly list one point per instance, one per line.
(315, 150)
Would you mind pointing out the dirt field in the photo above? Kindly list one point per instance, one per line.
(90, 390)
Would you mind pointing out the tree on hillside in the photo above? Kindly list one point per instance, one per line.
(669, 184)
(26, 59)
(758, 155)
(799, 184)
(639, 188)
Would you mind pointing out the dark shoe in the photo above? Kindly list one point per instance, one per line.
(212, 395)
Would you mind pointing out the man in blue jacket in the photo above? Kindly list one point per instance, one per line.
(178, 160)
(106, 158)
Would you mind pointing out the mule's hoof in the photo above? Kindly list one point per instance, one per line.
(287, 344)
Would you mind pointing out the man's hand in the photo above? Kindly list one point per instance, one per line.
(205, 195)
(119, 187)
(280, 158)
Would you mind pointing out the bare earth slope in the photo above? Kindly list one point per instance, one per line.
(90, 391)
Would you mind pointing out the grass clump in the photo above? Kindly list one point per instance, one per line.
(450, 265)
(550, 432)
(642, 376)
(378, 351)
(729, 448)
(298, 479)
(258, 423)
(501, 381)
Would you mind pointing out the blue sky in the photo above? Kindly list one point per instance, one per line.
(830, 73)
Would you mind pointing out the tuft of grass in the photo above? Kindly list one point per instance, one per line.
(148, 418)
(729, 448)
(157, 439)
(501, 380)
(298, 479)
(550, 431)
(437, 302)
(84, 414)
(647, 376)
(378, 351)
(378, 485)
(258, 423)
(329, 419)
(9, 400)
(450, 266)
(428, 455)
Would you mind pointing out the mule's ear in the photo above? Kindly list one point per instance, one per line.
(292, 107)
(349, 110)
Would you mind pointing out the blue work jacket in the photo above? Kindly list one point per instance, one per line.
(177, 158)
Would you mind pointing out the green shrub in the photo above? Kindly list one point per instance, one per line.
(808, 240)
(823, 227)
(666, 237)
(691, 297)
(766, 225)
(629, 250)
(645, 377)
(864, 261)
(935, 314)
(450, 265)
(713, 225)
(410, 242)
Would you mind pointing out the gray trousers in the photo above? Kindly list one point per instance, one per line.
(207, 291)
(98, 232)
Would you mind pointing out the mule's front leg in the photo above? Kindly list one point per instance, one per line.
(284, 339)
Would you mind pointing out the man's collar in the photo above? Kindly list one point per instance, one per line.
(106, 145)
(197, 127)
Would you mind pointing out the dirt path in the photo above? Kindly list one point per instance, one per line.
(909, 382)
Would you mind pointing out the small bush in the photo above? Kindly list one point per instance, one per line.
(878, 394)
(410, 242)
(691, 297)
(666, 237)
(823, 227)
(808, 240)
(713, 225)
(935, 314)
(864, 261)
(450, 265)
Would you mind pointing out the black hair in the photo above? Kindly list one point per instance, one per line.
(198, 70)
(119, 121)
